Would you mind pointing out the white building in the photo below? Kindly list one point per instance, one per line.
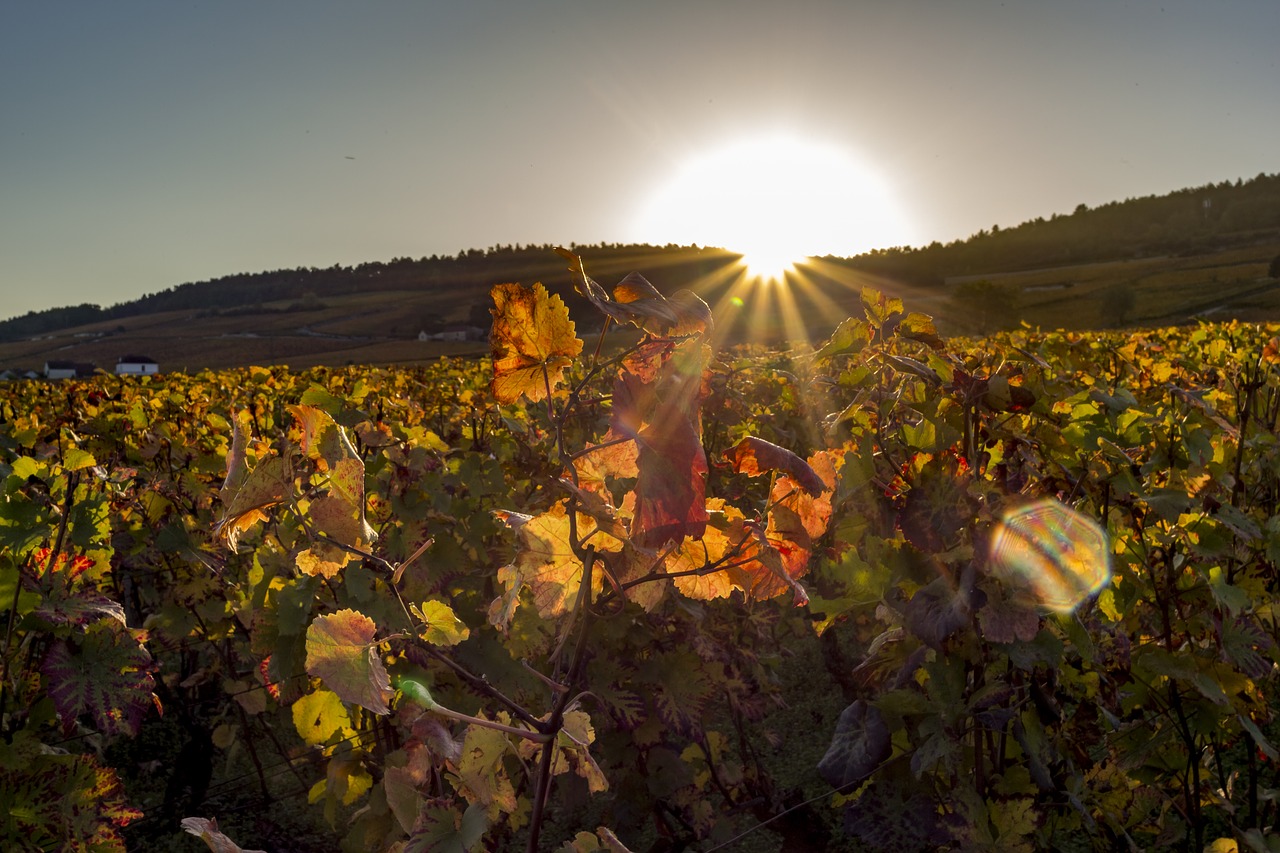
(67, 369)
(136, 365)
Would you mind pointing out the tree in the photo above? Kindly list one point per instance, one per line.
(1117, 304)
(985, 305)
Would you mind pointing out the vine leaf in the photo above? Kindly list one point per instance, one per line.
(103, 672)
(323, 441)
(861, 743)
(919, 327)
(342, 652)
(693, 314)
(851, 336)
(754, 456)
(683, 689)
(441, 829)
(663, 416)
(544, 562)
(671, 488)
(246, 494)
(481, 776)
(637, 302)
(760, 570)
(63, 802)
(572, 754)
(533, 341)
(797, 516)
(339, 513)
(319, 716)
(938, 610)
(603, 841)
(402, 796)
(442, 627)
(694, 555)
(206, 829)
(65, 600)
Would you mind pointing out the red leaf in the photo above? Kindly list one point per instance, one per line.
(672, 486)
(658, 404)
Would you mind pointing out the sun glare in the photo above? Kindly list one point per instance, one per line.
(776, 200)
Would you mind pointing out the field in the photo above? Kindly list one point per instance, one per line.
(887, 592)
(381, 327)
(1226, 285)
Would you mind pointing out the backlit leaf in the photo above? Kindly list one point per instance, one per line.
(754, 456)
(533, 341)
(323, 440)
(270, 483)
(545, 561)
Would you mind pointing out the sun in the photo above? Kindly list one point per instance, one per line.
(776, 199)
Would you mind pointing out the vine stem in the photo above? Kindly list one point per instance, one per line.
(536, 737)
(555, 722)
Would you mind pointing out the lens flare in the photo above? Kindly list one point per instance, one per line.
(1058, 555)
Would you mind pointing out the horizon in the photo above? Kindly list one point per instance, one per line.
(149, 147)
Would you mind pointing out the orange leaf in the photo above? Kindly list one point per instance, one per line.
(753, 456)
(695, 554)
(533, 341)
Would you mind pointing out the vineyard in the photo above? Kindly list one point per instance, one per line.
(893, 592)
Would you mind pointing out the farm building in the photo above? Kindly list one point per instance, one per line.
(136, 365)
(68, 369)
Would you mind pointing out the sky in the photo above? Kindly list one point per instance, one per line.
(148, 144)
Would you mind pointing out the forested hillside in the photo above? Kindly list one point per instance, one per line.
(1199, 220)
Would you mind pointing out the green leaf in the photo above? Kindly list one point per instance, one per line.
(10, 578)
(1259, 738)
(76, 459)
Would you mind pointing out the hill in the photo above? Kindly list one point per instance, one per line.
(1155, 260)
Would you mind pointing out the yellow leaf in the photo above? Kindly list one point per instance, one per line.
(318, 716)
(533, 341)
(545, 561)
(442, 626)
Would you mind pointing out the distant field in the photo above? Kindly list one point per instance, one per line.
(382, 328)
(1166, 291)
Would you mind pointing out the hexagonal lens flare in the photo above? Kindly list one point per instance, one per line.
(1053, 552)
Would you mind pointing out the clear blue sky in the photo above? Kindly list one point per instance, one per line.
(146, 144)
